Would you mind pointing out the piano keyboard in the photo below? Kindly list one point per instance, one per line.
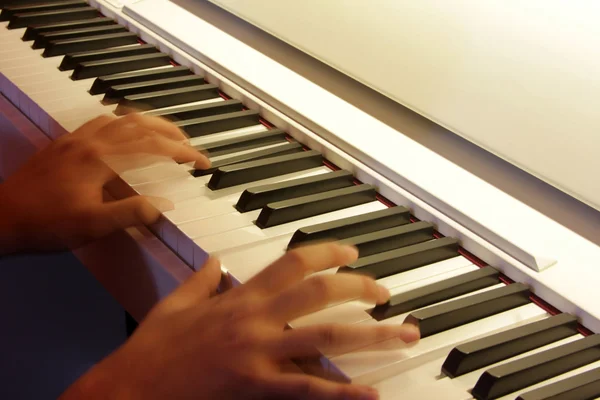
(483, 336)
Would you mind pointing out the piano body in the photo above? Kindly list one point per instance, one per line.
(475, 211)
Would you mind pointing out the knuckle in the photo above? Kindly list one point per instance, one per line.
(88, 223)
(370, 289)
(151, 140)
(134, 118)
(89, 150)
(252, 378)
(104, 118)
(298, 258)
(327, 335)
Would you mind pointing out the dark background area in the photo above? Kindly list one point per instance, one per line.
(56, 322)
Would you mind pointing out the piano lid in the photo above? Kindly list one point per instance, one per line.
(520, 79)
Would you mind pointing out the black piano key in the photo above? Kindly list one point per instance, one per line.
(166, 98)
(45, 38)
(352, 226)
(285, 211)
(404, 259)
(186, 112)
(7, 3)
(103, 83)
(89, 43)
(251, 171)
(391, 238)
(527, 371)
(246, 142)
(219, 123)
(491, 349)
(584, 386)
(436, 292)
(71, 60)
(115, 93)
(92, 69)
(48, 17)
(33, 31)
(259, 196)
(8, 12)
(458, 312)
(286, 148)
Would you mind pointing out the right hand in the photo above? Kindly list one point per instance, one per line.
(199, 345)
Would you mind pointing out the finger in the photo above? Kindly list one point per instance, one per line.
(151, 123)
(160, 145)
(200, 286)
(95, 124)
(320, 291)
(296, 264)
(122, 214)
(333, 339)
(304, 387)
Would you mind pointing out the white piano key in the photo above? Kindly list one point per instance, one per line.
(244, 264)
(125, 163)
(245, 261)
(191, 214)
(393, 357)
(193, 209)
(424, 272)
(167, 186)
(253, 234)
(235, 133)
(351, 312)
(40, 78)
(394, 387)
(240, 153)
(247, 238)
(156, 173)
(207, 101)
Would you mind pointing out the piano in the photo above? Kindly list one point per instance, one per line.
(453, 144)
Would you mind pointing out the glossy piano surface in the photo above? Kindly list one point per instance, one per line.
(428, 274)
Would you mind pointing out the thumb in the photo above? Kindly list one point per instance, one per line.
(306, 387)
(200, 286)
(129, 212)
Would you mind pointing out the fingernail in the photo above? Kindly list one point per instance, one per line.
(383, 295)
(410, 333)
(351, 252)
(202, 163)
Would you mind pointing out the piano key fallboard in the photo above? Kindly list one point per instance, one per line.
(483, 335)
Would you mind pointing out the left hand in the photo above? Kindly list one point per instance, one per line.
(55, 200)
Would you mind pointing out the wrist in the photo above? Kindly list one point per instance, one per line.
(106, 380)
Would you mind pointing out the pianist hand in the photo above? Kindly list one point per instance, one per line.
(55, 200)
(195, 345)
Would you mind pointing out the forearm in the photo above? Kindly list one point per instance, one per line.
(105, 380)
